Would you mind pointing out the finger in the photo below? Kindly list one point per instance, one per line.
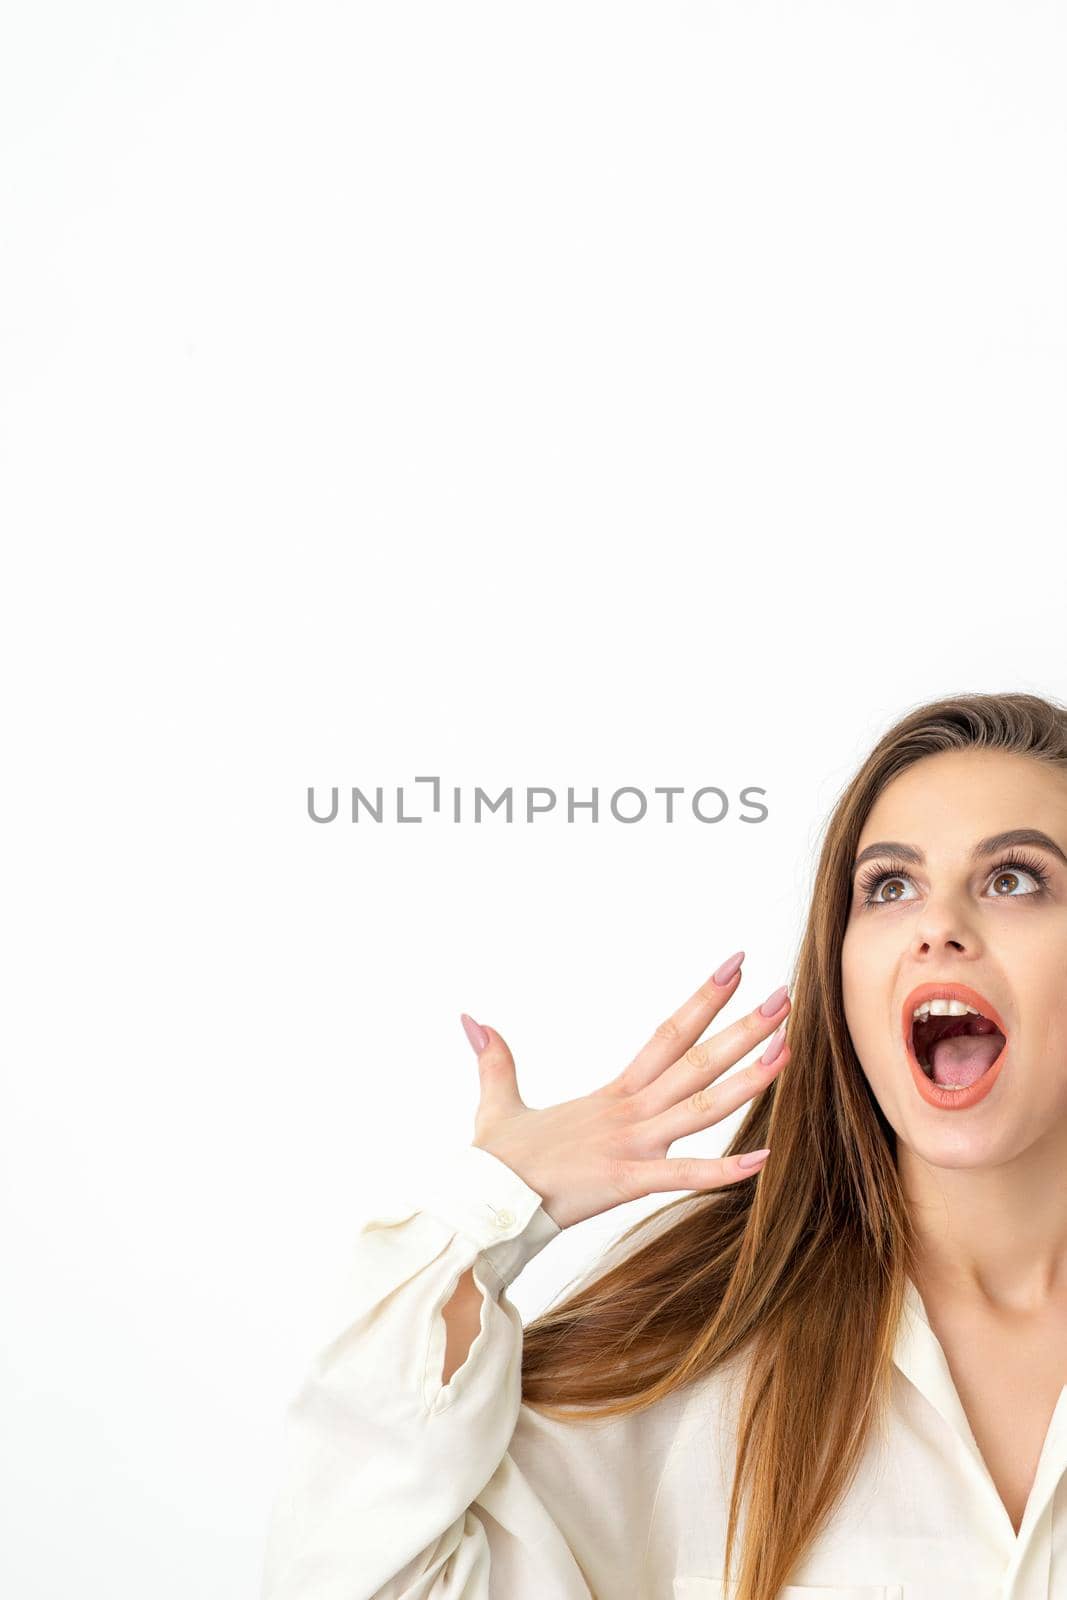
(496, 1071)
(688, 1172)
(708, 1105)
(674, 1036)
(707, 1060)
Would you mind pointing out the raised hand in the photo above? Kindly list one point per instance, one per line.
(590, 1154)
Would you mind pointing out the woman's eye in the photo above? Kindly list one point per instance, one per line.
(1010, 872)
(875, 895)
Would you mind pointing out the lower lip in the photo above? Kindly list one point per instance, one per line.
(953, 1099)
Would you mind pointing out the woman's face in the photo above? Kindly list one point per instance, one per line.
(952, 918)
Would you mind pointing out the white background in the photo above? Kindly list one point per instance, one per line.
(571, 395)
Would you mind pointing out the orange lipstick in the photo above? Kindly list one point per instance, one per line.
(933, 1093)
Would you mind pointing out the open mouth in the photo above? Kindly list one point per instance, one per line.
(954, 1050)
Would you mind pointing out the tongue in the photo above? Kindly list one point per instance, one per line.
(963, 1060)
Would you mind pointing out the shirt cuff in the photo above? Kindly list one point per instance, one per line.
(481, 1197)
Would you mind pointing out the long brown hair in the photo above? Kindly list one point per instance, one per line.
(804, 1267)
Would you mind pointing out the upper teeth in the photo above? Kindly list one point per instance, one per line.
(944, 1008)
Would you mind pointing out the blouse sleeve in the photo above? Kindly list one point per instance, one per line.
(383, 1462)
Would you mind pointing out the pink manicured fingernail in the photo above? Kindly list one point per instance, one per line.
(774, 1002)
(753, 1158)
(774, 1047)
(475, 1033)
(728, 968)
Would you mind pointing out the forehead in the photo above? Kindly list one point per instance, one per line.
(946, 801)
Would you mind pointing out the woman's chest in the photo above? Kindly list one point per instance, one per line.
(914, 1523)
(1008, 1377)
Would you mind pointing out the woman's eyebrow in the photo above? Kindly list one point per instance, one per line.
(985, 847)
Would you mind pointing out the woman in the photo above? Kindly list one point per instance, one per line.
(841, 1372)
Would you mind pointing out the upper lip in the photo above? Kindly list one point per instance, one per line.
(948, 991)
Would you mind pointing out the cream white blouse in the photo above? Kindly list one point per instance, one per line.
(396, 1487)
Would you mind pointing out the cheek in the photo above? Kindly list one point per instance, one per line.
(856, 986)
(863, 999)
(849, 960)
(1044, 1031)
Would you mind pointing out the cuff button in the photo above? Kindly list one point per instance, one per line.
(503, 1219)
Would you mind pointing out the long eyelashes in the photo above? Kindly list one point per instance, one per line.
(873, 879)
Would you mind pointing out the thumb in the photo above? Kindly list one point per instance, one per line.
(496, 1068)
